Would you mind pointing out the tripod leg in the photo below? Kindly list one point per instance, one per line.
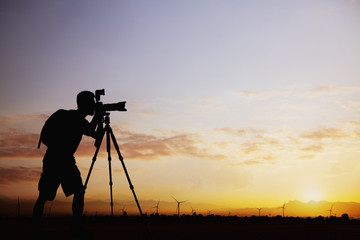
(124, 167)
(93, 160)
(110, 175)
(128, 178)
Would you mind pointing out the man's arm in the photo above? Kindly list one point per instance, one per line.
(97, 118)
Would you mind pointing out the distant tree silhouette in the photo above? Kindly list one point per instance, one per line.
(345, 216)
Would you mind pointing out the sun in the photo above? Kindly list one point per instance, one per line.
(312, 194)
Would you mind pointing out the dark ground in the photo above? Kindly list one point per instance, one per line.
(174, 228)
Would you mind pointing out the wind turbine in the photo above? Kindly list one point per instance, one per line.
(192, 210)
(259, 209)
(123, 211)
(178, 205)
(330, 210)
(283, 208)
(157, 208)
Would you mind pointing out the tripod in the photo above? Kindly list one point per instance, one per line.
(110, 134)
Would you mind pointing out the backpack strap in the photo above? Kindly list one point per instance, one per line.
(39, 142)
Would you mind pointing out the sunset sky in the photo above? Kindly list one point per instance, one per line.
(230, 103)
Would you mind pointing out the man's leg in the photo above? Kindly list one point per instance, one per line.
(72, 184)
(78, 207)
(39, 208)
(37, 215)
(77, 229)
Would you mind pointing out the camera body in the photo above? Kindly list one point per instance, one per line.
(100, 107)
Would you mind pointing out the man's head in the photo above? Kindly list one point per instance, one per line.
(86, 102)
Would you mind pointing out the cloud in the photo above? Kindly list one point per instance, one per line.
(252, 162)
(333, 89)
(6, 120)
(306, 157)
(357, 133)
(148, 147)
(324, 133)
(18, 143)
(10, 120)
(256, 94)
(267, 159)
(262, 145)
(251, 147)
(298, 93)
(18, 174)
(324, 89)
(321, 138)
(354, 123)
(313, 148)
(242, 132)
(250, 144)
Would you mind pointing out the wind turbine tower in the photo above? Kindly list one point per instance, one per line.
(123, 212)
(192, 210)
(178, 205)
(283, 208)
(259, 209)
(157, 208)
(330, 210)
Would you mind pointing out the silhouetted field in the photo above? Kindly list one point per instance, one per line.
(191, 227)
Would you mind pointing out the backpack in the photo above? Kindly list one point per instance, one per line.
(52, 128)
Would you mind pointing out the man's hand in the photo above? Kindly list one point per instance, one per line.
(99, 134)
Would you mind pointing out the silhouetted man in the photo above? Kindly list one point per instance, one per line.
(62, 134)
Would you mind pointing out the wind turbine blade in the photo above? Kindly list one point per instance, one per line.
(174, 199)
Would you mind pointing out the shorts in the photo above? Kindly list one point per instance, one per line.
(55, 173)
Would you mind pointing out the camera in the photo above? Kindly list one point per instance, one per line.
(120, 106)
(102, 111)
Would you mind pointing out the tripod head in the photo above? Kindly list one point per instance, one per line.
(106, 118)
(103, 113)
(100, 130)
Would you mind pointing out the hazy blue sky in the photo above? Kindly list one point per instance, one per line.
(173, 49)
